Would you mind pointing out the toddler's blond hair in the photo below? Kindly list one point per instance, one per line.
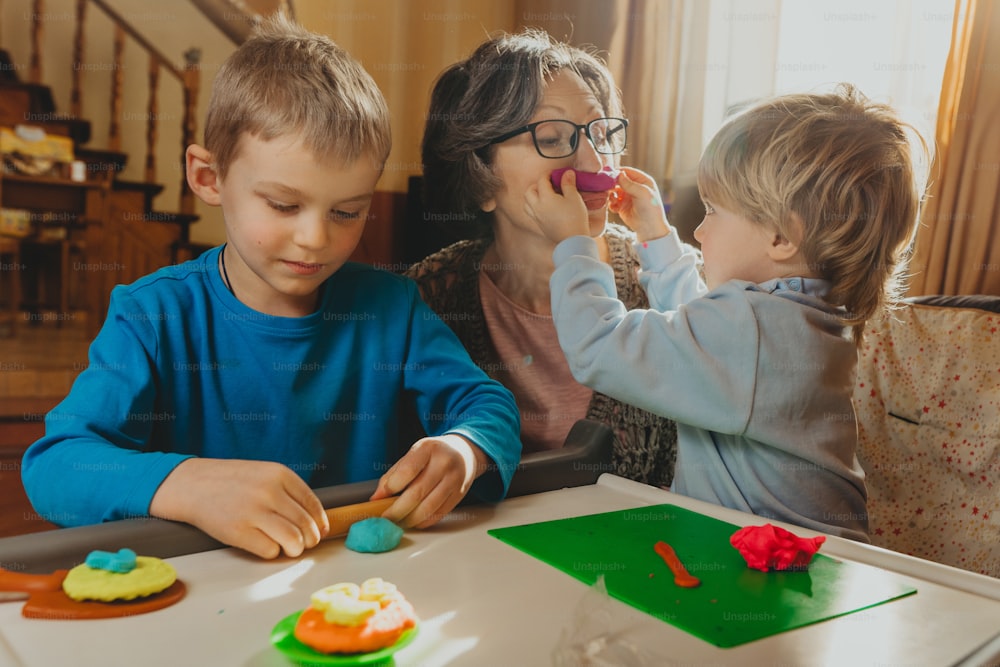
(841, 164)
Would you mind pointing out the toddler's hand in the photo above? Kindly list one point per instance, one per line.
(558, 216)
(259, 506)
(433, 477)
(637, 201)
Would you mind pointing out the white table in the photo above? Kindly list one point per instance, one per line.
(484, 603)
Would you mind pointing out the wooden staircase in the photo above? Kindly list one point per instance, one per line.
(114, 233)
(107, 230)
(110, 225)
(88, 235)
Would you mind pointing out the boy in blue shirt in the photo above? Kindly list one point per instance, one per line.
(810, 205)
(220, 390)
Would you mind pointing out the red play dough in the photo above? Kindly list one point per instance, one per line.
(769, 547)
(381, 629)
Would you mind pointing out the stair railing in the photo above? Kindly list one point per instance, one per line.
(188, 75)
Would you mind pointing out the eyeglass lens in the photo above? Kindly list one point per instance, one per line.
(559, 138)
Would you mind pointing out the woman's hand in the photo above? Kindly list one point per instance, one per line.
(558, 216)
(637, 201)
(259, 506)
(433, 477)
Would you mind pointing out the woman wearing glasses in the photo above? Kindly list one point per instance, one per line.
(519, 108)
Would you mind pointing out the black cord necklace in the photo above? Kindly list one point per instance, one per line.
(225, 274)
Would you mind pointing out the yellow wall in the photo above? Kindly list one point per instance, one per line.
(404, 45)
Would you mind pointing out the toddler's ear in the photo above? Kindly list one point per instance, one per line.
(784, 248)
(201, 174)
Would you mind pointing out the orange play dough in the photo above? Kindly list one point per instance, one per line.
(381, 629)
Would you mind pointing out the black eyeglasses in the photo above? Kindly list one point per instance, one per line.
(560, 138)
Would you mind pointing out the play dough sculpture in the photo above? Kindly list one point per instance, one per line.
(347, 618)
(114, 580)
(587, 181)
(769, 547)
(373, 535)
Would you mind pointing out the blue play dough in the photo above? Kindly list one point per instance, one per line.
(373, 536)
(121, 562)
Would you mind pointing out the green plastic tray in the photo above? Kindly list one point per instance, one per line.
(733, 605)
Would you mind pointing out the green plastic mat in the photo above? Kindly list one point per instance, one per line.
(734, 604)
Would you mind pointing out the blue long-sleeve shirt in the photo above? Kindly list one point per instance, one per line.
(182, 368)
(759, 379)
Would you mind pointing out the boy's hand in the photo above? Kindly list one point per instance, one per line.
(259, 506)
(558, 216)
(637, 201)
(432, 477)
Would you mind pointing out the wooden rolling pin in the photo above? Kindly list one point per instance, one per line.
(341, 518)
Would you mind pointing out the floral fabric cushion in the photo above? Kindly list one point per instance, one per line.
(928, 405)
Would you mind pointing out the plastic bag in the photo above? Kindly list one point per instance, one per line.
(596, 638)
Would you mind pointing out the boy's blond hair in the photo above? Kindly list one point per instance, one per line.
(286, 80)
(842, 165)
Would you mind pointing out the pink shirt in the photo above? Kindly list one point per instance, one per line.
(534, 368)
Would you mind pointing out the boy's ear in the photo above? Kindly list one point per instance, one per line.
(488, 206)
(201, 175)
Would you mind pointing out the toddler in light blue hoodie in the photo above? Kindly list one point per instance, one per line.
(811, 203)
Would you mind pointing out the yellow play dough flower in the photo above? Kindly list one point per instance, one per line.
(349, 604)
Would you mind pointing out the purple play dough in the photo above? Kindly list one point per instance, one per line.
(587, 181)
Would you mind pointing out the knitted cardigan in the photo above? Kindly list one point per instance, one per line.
(645, 445)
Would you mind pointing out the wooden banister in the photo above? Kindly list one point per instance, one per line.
(191, 85)
(188, 75)
(237, 18)
(75, 96)
(117, 85)
(152, 108)
(249, 12)
(119, 20)
(35, 67)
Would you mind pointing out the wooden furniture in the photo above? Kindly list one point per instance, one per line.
(110, 236)
(10, 282)
(39, 98)
(20, 425)
(76, 208)
(114, 233)
(482, 602)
